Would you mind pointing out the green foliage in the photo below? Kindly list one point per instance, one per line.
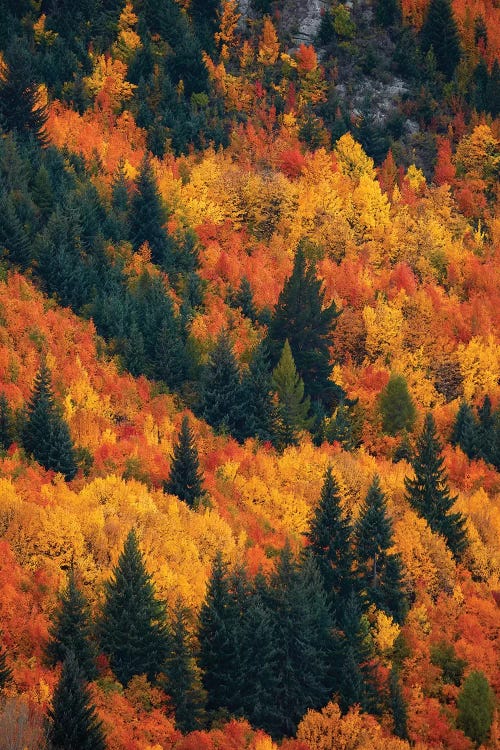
(476, 706)
(398, 706)
(464, 430)
(73, 724)
(6, 424)
(70, 630)
(443, 655)
(132, 624)
(20, 108)
(185, 479)
(5, 671)
(220, 402)
(293, 408)
(396, 406)
(440, 34)
(257, 397)
(148, 217)
(428, 490)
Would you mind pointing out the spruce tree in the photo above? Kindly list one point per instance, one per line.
(182, 677)
(342, 428)
(398, 705)
(292, 410)
(302, 318)
(380, 572)
(476, 707)
(185, 479)
(257, 397)
(329, 539)
(46, 434)
(70, 630)
(428, 490)
(5, 671)
(132, 625)
(73, 723)
(440, 34)
(396, 406)
(464, 430)
(220, 398)
(20, 107)
(148, 217)
(170, 360)
(6, 426)
(243, 299)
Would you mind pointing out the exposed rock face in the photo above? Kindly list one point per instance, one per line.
(299, 18)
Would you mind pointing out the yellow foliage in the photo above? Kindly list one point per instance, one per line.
(415, 178)
(384, 330)
(385, 633)
(479, 364)
(269, 45)
(109, 74)
(351, 158)
(128, 39)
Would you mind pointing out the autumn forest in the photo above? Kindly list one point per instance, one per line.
(249, 375)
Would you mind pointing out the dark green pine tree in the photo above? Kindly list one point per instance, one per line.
(46, 435)
(387, 12)
(257, 397)
(493, 90)
(6, 425)
(5, 671)
(398, 705)
(70, 630)
(132, 624)
(185, 479)
(182, 676)
(396, 406)
(342, 427)
(148, 217)
(440, 33)
(243, 299)
(302, 623)
(292, 409)
(218, 639)
(380, 572)
(329, 539)
(220, 397)
(170, 359)
(485, 431)
(73, 723)
(20, 108)
(464, 431)
(302, 317)
(428, 490)
(118, 220)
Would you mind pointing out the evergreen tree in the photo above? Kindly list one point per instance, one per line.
(485, 431)
(291, 414)
(398, 705)
(329, 538)
(464, 430)
(387, 12)
(440, 33)
(302, 317)
(342, 428)
(243, 299)
(396, 406)
(20, 108)
(6, 426)
(73, 724)
(182, 678)
(476, 707)
(493, 90)
(218, 638)
(132, 626)
(186, 478)
(428, 491)
(148, 217)
(380, 572)
(5, 671)
(170, 359)
(70, 631)
(220, 398)
(46, 434)
(257, 397)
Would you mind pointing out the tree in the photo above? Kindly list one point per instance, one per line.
(70, 630)
(291, 415)
(46, 435)
(5, 670)
(148, 217)
(72, 718)
(464, 430)
(380, 571)
(132, 624)
(6, 426)
(257, 397)
(329, 539)
(398, 705)
(485, 431)
(428, 490)
(396, 406)
(182, 678)
(185, 479)
(302, 318)
(20, 107)
(220, 402)
(476, 706)
(440, 34)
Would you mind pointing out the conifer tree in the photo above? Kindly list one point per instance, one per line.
(291, 414)
(6, 426)
(244, 300)
(329, 538)
(5, 671)
(464, 430)
(220, 398)
(302, 317)
(182, 677)
(256, 397)
(73, 724)
(132, 625)
(170, 360)
(341, 427)
(476, 707)
(380, 571)
(186, 478)
(396, 406)
(148, 217)
(485, 431)
(428, 490)
(46, 434)
(20, 107)
(398, 705)
(440, 33)
(70, 630)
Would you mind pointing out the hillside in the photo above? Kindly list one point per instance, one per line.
(249, 375)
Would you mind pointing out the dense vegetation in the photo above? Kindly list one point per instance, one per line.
(249, 376)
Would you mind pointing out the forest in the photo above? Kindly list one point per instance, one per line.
(249, 375)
